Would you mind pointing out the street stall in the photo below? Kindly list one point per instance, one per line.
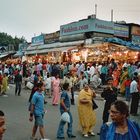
(106, 51)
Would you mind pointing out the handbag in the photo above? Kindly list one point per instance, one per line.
(94, 105)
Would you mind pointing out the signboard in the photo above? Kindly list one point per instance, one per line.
(87, 25)
(102, 26)
(135, 30)
(75, 28)
(38, 40)
(52, 37)
(121, 30)
(136, 39)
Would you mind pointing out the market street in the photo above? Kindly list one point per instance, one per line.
(17, 117)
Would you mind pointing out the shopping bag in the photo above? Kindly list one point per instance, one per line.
(29, 85)
(65, 117)
(94, 105)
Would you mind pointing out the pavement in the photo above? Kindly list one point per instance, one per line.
(17, 117)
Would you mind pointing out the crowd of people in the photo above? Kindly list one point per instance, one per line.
(60, 81)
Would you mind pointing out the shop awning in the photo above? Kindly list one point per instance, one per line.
(60, 45)
(30, 48)
(60, 49)
(3, 55)
(18, 54)
(54, 47)
(127, 44)
(31, 52)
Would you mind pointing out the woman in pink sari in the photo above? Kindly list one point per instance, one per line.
(56, 90)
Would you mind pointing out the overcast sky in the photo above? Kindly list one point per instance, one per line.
(31, 17)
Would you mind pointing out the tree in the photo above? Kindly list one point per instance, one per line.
(8, 40)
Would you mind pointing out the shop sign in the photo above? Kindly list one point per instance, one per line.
(52, 37)
(135, 30)
(87, 25)
(22, 46)
(136, 39)
(75, 28)
(121, 30)
(38, 40)
(102, 26)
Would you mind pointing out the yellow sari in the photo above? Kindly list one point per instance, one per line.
(87, 116)
(4, 84)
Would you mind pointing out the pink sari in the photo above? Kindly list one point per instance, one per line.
(56, 91)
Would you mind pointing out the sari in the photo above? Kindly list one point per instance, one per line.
(87, 117)
(4, 84)
(108, 132)
(123, 77)
(56, 91)
(116, 75)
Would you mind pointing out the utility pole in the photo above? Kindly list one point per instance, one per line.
(111, 15)
(96, 10)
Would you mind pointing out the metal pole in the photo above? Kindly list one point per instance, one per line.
(96, 10)
(111, 15)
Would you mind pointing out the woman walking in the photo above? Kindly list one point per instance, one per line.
(56, 90)
(87, 117)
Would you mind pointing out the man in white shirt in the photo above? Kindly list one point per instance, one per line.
(92, 71)
(6, 70)
(96, 80)
(135, 97)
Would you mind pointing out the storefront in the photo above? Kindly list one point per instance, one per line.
(55, 52)
(135, 35)
(86, 40)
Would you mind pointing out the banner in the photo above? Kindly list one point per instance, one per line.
(121, 30)
(52, 37)
(38, 40)
(87, 25)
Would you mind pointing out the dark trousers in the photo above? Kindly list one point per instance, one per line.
(41, 73)
(134, 103)
(106, 111)
(18, 88)
(105, 116)
(103, 77)
(72, 96)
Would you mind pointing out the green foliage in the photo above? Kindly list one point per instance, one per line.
(8, 40)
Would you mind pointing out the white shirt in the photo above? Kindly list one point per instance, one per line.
(6, 70)
(133, 87)
(92, 71)
(99, 68)
(48, 82)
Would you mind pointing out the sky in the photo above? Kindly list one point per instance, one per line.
(29, 18)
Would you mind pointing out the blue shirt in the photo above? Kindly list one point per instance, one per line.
(104, 70)
(66, 100)
(38, 102)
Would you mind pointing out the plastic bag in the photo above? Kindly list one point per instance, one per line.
(65, 117)
(29, 85)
